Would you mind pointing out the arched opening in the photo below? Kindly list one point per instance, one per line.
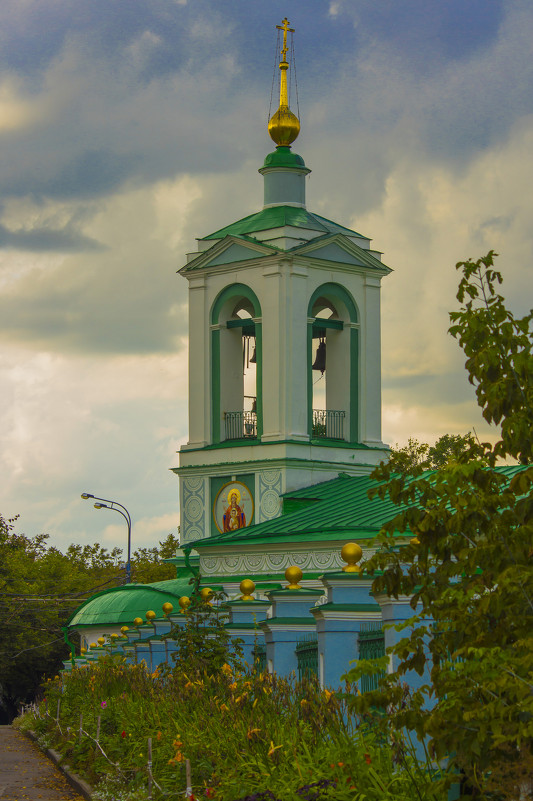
(333, 365)
(236, 365)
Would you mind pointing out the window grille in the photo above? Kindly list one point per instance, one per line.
(307, 656)
(371, 642)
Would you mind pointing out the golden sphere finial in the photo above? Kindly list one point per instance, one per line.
(293, 574)
(83, 651)
(114, 636)
(351, 553)
(184, 602)
(93, 645)
(150, 615)
(123, 630)
(167, 608)
(100, 641)
(138, 622)
(206, 593)
(247, 587)
(283, 126)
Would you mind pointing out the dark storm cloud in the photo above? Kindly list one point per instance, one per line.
(46, 239)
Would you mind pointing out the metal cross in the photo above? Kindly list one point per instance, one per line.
(285, 28)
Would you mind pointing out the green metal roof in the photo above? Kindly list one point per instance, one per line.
(278, 217)
(121, 605)
(332, 510)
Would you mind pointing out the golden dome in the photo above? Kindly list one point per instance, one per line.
(83, 651)
(123, 630)
(114, 636)
(138, 622)
(93, 645)
(293, 575)
(167, 608)
(184, 602)
(247, 587)
(351, 553)
(150, 615)
(283, 126)
(100, 640)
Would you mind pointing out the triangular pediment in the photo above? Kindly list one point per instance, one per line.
(340, 249)
(229, 250)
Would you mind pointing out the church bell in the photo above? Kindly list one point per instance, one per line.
(320, 359)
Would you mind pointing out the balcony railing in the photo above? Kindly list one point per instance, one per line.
(328, 424)
(240, 425)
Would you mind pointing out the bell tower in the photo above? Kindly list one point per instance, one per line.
(284, 350)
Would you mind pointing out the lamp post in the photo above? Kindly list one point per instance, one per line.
(103, 503)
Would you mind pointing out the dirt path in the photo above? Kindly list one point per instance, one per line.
(26, 773)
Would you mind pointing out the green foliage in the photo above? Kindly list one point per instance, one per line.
(243, 733)
(40, 588)
(418, 456)
(470, 575)
(204, 644)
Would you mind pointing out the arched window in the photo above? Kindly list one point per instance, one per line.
(333, 364)
(236, 365)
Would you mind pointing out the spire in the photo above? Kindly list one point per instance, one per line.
(284, 126)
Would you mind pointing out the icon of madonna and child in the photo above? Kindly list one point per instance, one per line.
(233, 507)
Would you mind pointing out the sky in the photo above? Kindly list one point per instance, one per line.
(130, 127)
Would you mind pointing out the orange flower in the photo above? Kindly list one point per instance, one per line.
(273, 748)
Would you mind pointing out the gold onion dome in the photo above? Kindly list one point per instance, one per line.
(284, 126)
(167, 608)
(150, 615)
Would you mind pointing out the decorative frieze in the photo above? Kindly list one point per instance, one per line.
(316, 560)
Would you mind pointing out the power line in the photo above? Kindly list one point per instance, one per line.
(33, 648)
(74, 593)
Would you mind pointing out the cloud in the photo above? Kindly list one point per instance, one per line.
(44, 239)
(125, 297)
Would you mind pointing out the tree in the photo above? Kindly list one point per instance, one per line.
(40, 588)
(204, 645)
(468, 567)
(417, 454)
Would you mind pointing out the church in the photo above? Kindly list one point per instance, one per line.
(284, 423)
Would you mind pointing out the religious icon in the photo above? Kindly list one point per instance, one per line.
(233, 508)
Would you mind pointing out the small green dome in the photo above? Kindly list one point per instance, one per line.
(121, 605)
(284, 157)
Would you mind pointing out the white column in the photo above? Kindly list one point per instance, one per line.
(371, 364)
(199, 378)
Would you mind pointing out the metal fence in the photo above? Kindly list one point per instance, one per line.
(328, 424)
(240, 425)
(307, 656)
(371, 642)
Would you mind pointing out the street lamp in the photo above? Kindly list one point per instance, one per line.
(103, 503)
